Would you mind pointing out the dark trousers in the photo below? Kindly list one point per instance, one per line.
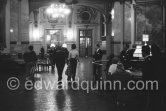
(60, 67)
(52, 62)
(73, 63)
(96, 72)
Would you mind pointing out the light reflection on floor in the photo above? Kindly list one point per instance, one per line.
(49, 99)
(58, 99)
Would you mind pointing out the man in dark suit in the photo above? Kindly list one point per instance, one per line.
(98, 53)
(147, 64)
(124, 56)
(60, 57)
(97, 58)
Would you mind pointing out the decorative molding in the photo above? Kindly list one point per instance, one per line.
(13, 42)
(103, 38)
(86, 15)
(118, 42)
(69, 2)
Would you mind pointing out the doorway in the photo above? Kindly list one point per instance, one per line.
(85, 42)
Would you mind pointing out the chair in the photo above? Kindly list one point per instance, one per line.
(30, 70)
(122, 94)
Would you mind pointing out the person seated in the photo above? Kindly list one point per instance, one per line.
(113, 67)
(121, 94)
(30, 55)
(30, 59)
(109, 62)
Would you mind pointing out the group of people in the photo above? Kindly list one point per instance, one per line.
(152, 68)
(58, 56)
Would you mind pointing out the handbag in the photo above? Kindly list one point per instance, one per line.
(68, 70)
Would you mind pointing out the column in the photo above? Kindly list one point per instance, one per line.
(123, 24)
(19, 23)
(108, 29)
(132, 23)
(7, 22)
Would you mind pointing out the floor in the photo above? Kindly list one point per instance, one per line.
(64, 97)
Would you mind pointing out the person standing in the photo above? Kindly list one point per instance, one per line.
(97, 59)
(147, 75)
(60, 56)
(51, 57)
(147, 64)
(98, 53)
(73, 59)
(124, 57)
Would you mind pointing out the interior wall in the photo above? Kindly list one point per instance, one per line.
(18, 22)
(69, 25)
(121, 26)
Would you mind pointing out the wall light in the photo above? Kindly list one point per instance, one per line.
(11, 30)
(36, 33)
(129, 19)
(112, 33)
(112, 13)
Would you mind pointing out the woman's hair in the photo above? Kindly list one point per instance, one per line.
(115, 60)
(98, 45)
(155, 50)
(73, 46)
(30, 48)
(120, 67)
(146, 49)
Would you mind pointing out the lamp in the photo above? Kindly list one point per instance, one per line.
(58, 10)
(145, 38)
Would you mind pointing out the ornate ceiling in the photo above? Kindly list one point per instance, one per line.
(35, 4)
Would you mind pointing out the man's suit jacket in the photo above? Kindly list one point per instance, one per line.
(98, 55)
(147, 68)
(60, 55)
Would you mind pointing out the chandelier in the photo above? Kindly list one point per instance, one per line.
(58, 10)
